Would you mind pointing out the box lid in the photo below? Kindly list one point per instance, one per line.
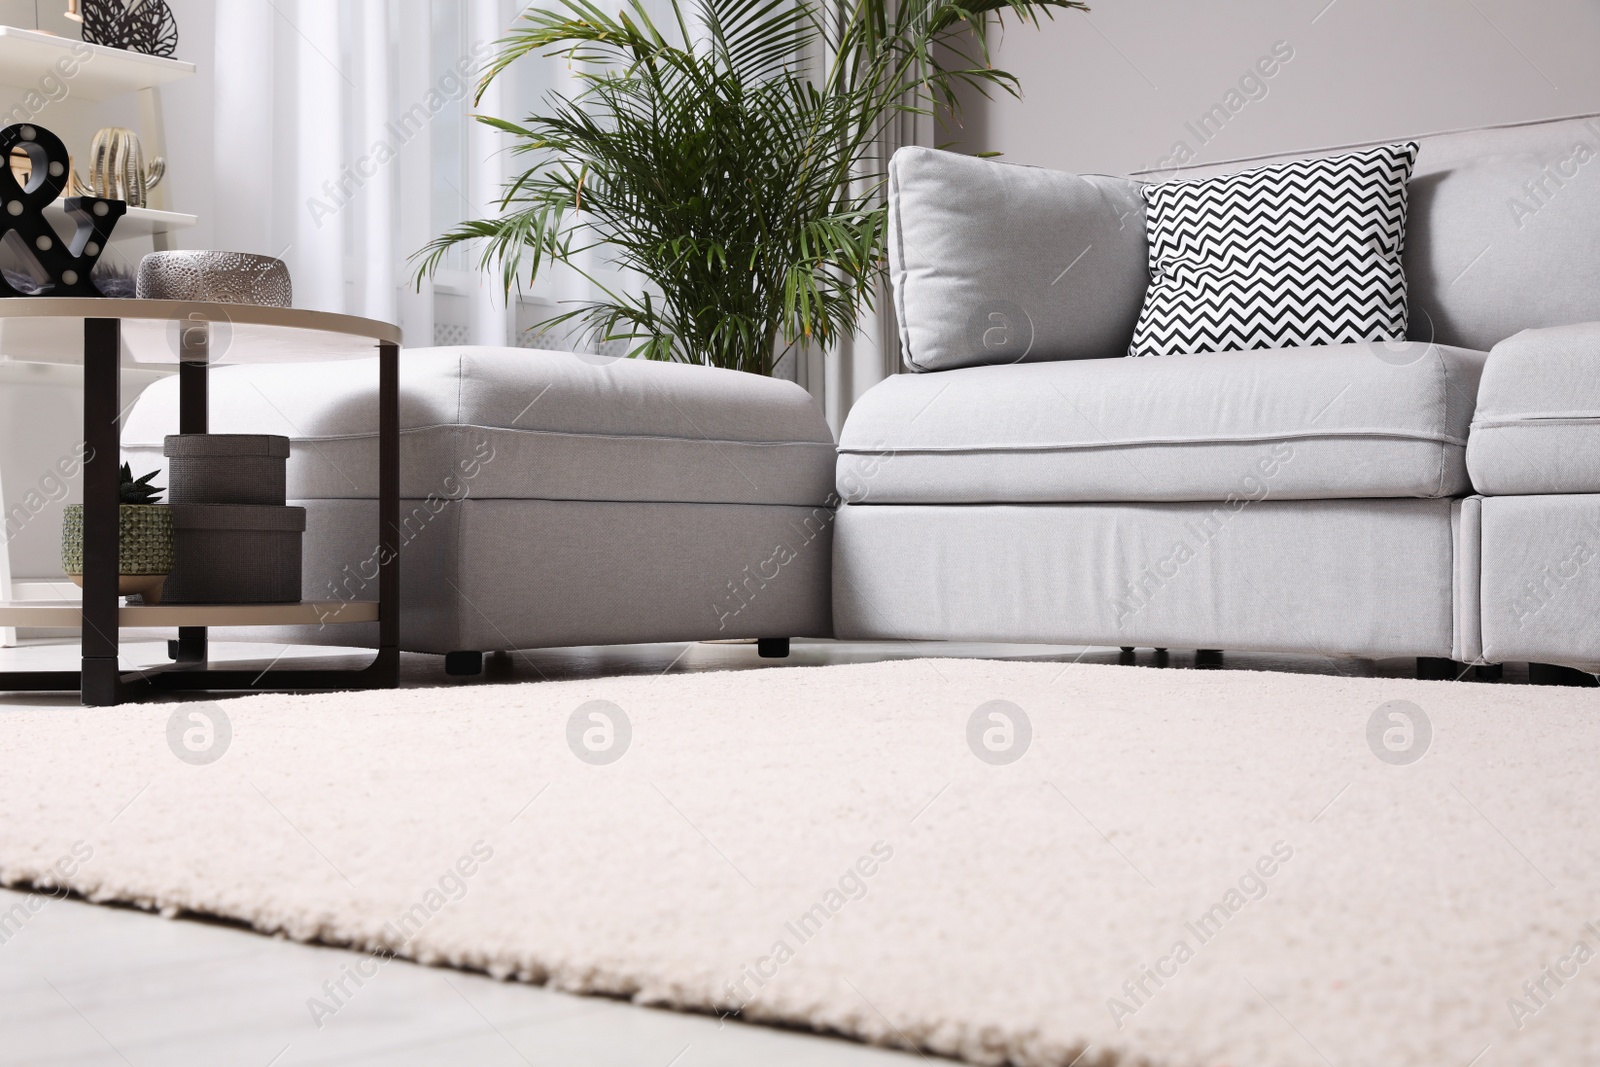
(208, 445)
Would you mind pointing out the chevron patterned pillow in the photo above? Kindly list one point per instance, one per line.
(1299, 253)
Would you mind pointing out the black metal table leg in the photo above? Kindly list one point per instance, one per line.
(100, 682)
(193, 417)
(386, 667)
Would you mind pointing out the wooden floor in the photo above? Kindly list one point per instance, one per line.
(87, 984)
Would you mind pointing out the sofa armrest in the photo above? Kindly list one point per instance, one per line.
(1536, 429)
(999, 263)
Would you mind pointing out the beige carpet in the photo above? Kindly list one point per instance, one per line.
(1189, 868)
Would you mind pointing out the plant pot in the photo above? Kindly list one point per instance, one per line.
(144, 548)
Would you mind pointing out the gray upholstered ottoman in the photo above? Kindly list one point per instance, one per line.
(548, 499)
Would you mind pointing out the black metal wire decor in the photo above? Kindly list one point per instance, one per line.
(134, 25)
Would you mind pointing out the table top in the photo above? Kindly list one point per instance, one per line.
(47, 329)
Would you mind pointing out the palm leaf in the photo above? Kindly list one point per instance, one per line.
(713, 157)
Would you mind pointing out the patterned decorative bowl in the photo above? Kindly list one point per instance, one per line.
(144, 553)
(215, 277)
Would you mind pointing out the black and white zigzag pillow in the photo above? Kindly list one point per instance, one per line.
(1301, 253)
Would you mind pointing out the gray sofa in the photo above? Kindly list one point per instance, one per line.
(1437, 498)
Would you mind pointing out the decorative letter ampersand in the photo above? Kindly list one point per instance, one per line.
(57, 268)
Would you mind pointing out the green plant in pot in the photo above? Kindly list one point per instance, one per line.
(732, 158)
(144, 553)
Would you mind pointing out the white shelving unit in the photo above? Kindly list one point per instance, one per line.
(34, 61)
(28, 56)
(138, 222)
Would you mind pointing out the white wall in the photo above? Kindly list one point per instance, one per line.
(41, 427)
(1113, 90)
(186, 107)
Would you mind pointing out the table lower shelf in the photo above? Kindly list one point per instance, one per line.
(305, 613)
(383, 672)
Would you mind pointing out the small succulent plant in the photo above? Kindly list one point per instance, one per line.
(138, 491)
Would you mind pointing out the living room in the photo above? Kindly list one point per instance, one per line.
(688, 532)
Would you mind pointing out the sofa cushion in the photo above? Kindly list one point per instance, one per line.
(1366, 420)
(1331, 577)
(1541, 579)
(1501, 231)
(998, 263)
(1537, 427)
(528, 424)
(1299, 253)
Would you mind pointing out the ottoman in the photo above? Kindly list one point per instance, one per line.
(547, 499)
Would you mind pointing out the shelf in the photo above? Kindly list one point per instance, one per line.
(28, 56)
(138, 222)
(305, 613)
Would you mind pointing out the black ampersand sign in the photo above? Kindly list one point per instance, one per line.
(23, 228)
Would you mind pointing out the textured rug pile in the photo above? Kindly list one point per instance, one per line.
(1024, 863)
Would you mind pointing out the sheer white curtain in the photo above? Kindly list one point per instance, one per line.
(837, 378)
(873, 352)
(344, 143)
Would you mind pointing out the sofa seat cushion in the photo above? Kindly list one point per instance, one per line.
(1537, 427)
(1357, 420)
(512, 423)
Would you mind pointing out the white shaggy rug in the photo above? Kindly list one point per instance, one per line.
(1183, 868)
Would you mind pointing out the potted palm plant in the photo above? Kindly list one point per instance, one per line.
(733, 159)
(144, 549)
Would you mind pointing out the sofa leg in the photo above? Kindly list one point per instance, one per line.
(1488, 672)
(1434, 669)
(772, 647)
(1208, 659)
(463, 664)
(1551, 674)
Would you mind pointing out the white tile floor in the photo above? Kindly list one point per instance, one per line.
(91, 985)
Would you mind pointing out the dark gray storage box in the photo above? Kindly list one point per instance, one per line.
(226, 468)
(235, 554)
